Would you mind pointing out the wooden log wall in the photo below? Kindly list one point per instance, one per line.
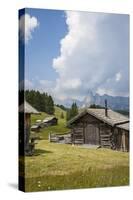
(120, 139)
(105, 135)
(77, 135)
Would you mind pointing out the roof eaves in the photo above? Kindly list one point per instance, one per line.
(76, 117)
(121, 123)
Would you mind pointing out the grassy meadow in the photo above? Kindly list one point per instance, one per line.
(62, 166)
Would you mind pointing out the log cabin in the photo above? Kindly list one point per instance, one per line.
(102, 127)
(25, 111)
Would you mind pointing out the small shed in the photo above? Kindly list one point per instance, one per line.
(50, 121)
(36, 127)
(25, 111)
(102, 127)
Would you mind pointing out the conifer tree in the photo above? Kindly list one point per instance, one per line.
(72, 112)
(62, 115)
(41, 101)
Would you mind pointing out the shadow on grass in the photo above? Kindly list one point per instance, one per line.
(41, 151)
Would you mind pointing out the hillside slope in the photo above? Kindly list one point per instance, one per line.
(60, 128)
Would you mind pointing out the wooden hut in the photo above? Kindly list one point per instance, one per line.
(25, 111)
(50, 121)
(102, 127)
(36, 127)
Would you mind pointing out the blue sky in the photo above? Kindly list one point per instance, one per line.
(45, 46)
(71, 52)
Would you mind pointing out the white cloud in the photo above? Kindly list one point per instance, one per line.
(118, 77)
(71, 83)
(91, 54)
(27, 24)
(46, 83)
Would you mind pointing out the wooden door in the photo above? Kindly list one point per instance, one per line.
(91, 134)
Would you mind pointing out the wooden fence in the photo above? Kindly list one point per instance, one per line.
(66, 139)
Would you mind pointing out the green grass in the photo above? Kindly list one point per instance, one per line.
(61, 166)
(60, 128)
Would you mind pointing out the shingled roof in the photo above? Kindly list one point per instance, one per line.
(27, 108)
(124, 126)
(47, 119)
(113, 118)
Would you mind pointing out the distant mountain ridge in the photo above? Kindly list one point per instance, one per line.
(114, 102)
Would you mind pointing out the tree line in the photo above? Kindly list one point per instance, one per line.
(72, 112)
(43, 102)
